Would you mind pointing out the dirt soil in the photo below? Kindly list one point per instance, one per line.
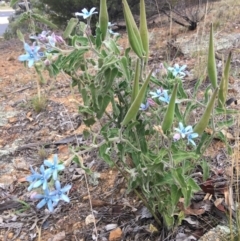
(28, 137)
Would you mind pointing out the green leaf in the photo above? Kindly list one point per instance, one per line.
(111, 45)
(83, 41)
(72, 23)
(109, 75)
(103, 104)
(178, 177)
(168, 220)
(175, 195)
(20, 35)
(194, 186)
(203, 140)
(43, 19)
(124, 65)
(85, 96)
(103, 151)
(183, 155)
(80, 163)
(13, 2)
(89, 122)
(187, 193)
(226, 123)
(206, 170)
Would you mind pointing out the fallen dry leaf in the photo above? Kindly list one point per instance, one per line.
(89, 219)
(115, 234)
(189, 210)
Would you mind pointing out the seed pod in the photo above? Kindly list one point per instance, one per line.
(169, 115)
(134, 108)
(143, 29)
(223, 89)
(203, 122)
(103, 18)
(211, 67)
(42, 19)
(133, 32)
(72, 23)
(136, 81)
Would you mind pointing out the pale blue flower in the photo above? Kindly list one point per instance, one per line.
(60, 192)
(177, 70)
(158, 93)
(31, 54)
(165, 97)
(32, 178)
(47, 198)
(190, 138)
(54, 167)
(184, 131)
(85, 14)
(144, 107)
(43, 178)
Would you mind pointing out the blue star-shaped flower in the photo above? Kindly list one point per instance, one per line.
(47, 198)
(54, 167)
(165, 97)
(144, 106)
(32, 178)
(184, 131)
(177, 70)
(158, 93)
(60, 192)
(190, 138)
(85, 14)
(31, 54)
(43, 178)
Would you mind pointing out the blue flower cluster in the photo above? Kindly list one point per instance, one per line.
(185, 132)
(51, 198)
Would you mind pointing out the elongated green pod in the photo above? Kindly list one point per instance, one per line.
(132, 38)
(223, 89)
(203, 122)
(131, 22)
(43, 19)
(134, 108)
(143, 29)
(103, 18)
(212, 69)
(136, 81)
(72, 23)
(169, 115)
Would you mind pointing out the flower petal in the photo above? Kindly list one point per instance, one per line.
(27, 48)
(37, 183)
(58, 185)
(65, 198)
(41, 204)
(24, 57)
(50, 205)
(66, 188)
(48, 163)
